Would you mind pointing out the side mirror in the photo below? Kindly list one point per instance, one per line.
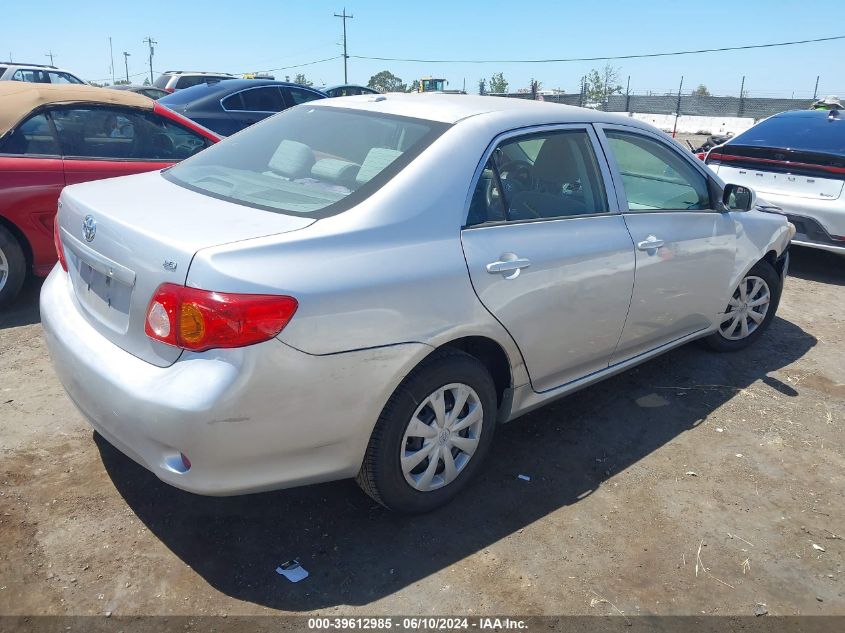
(739, 198)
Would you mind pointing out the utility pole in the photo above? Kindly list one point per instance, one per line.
(149, 40)
(50, 55)
(345, 56)
(741, 97)
(126, 63)
(111, 57)
(815, 90)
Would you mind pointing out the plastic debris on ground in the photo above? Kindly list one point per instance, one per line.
(292, 570)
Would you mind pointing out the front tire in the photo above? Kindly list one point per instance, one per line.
(12, 267)
(750, 310)
(432, 435)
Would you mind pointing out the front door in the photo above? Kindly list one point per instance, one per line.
(548, 253)
(685, 246)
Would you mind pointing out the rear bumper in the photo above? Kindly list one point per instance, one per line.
(250, 419)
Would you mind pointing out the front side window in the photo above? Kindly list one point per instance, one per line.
(655, 176)
(312, 160)
(123, 134)
(62, 78)
(33, 137)
(539, 176)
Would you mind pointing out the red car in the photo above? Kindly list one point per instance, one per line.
(57, 135)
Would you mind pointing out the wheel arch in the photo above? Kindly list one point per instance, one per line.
(20, 236)
(494, 357)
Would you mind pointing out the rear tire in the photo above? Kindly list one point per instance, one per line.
(12, 267)
(423, 452)
(750, 310)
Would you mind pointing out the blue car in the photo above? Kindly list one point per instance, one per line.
(229, 106)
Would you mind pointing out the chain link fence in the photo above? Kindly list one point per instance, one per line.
(687, 105)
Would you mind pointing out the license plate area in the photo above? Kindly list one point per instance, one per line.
(103, 297)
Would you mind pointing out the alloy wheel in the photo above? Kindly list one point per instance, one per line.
(441, 437)
(4, 269)
(746, 309)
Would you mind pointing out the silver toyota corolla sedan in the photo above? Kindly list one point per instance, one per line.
(366, 286)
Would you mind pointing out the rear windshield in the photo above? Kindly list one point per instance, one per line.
(161, 81)
(808, 131)
(314, 161)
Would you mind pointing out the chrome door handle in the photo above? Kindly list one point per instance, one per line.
(507, 265)
(650, 243)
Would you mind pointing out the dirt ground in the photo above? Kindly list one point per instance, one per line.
(696, 483)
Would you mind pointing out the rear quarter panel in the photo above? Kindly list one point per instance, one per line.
(389, 271)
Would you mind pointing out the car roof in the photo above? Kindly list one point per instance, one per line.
(223, 88)
(451, 108)
(20, 98)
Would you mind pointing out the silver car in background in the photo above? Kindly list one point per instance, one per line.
(366, 286)
(796, 162)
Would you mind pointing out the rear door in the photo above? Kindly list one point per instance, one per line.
(548, 252)
(103, 142)
(685, 246)
(31, 180)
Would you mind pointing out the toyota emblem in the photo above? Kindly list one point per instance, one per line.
(89, 228)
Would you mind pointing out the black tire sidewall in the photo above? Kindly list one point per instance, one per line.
(395, 492)
(765, 271)
(17, 266)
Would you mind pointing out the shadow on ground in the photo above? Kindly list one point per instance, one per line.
(357, 552)
(24, 309)
(816, 265)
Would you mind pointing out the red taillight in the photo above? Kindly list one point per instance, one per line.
(57, 242)
(203, 319)
(171, 90)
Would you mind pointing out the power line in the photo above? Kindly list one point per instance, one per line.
(593, 59)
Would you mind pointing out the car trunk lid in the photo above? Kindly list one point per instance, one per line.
(125, 236)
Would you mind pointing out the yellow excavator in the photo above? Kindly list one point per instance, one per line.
(435, 84)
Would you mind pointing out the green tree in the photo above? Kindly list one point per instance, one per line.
(146, 81)
(498, 83)
(414, 86)
(600, 83)
(302, 80)
(701, 91)
(121, 82)
(386, 81)
(482, 86)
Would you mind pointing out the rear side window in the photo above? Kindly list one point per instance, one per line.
(315, 161)
(298, 96)
(123, 134)
(33, 137)
(3, 69)
(539, 176)
(186, 81)
(656, 177)
(162, 81)
(62, 78)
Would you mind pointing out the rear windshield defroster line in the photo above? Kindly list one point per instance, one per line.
(312, 161)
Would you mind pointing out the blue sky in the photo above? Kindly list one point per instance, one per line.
(248, 36)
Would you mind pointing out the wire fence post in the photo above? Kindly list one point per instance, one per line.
(816, 89)
(628, 95)
(741, 97)
(678, 108)
(581, 96)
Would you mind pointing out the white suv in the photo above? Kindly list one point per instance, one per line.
(172, 80)
(37, 73)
